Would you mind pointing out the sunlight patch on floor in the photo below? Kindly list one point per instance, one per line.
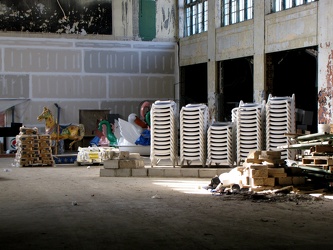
(184, 186)
(322, 195)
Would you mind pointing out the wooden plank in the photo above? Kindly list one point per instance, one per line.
(323, 148)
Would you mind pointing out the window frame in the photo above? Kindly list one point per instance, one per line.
(196, 17)
(236, 11)
(280, 5)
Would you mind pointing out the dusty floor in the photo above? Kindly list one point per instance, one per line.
(70, 207)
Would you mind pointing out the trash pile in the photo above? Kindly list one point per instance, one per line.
(262, 170)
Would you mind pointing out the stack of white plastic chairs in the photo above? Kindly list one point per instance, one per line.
(250, 119)
(193, 133)
(280, 120)
(163, 132)
(220, 144)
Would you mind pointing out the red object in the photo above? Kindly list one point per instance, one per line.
(99, 133)
(140, 123)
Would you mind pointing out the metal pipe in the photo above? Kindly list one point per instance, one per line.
(305, 145)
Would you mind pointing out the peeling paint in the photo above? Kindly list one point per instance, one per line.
(325, 94)
(168, 19)
(124, 17)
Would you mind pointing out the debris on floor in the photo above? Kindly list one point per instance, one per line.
(264, 176)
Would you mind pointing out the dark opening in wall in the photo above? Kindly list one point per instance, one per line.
(57, 16)
(236, 84)
(295, 72)
(194, 84)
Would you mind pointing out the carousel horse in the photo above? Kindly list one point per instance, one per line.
(61, 132)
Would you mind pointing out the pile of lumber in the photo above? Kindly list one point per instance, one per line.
(33, 149)
(267, 169)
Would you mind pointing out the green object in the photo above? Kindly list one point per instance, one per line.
(147, 118)
(147, 20)
(111, 137)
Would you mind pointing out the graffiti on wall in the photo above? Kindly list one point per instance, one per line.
(57, 16)
(325, 94)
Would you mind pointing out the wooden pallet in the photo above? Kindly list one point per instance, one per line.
(317, 160)
(36, 165)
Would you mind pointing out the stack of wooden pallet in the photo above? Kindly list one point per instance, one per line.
(33, 149)
(320, 146)
(320, 158)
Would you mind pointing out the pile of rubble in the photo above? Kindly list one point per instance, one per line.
(261, 169)
(266, 168)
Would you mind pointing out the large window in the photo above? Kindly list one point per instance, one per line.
(196, 14)
(279, 5)
(235, 11)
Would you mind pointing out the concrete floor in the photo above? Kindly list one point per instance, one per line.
(71, 207)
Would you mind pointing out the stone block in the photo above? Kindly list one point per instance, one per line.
(107, 172)
(188, 172)
(135, 156)
(156, 172)
(131, 164)
(141, 172)
(123, 172)
(207, 173)
(172, 172)
(111, 164)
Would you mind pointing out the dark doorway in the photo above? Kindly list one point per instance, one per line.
(194, 84)
(295, 72)
(236, 84)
